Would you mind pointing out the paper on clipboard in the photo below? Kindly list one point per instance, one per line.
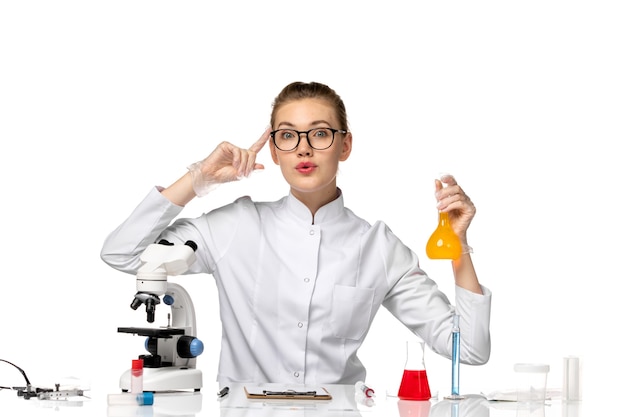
(282, 392)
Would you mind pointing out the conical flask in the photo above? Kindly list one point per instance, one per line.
(414, 385)
(444, 243)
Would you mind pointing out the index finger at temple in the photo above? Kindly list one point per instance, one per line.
(258, 145)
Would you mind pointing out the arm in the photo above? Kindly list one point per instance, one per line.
(465, 275)
(415, 299)
(122, 248)
(225, 164)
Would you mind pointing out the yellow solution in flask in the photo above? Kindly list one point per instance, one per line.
(444, 243)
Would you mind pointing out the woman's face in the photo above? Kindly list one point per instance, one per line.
(310, 171)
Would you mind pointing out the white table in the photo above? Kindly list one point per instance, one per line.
(235, 404)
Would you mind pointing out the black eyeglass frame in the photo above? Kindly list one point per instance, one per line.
(306, 132)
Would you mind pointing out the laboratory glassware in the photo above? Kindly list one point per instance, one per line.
(362, 389)
(444, 243)
(456, 360)
(136, 376)
(128, 398)
(414, 384)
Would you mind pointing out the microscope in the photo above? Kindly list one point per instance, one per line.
(170, 364)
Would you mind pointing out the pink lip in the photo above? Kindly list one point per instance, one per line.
(305, 167)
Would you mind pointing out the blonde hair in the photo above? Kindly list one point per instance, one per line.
(300, 90)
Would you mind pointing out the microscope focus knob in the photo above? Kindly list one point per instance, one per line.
(189, 347)
(168, 300)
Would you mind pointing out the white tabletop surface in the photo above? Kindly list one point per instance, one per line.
(235, 404)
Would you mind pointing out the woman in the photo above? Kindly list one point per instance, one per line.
(301, 279)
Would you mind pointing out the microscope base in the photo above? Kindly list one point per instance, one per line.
(168, 378)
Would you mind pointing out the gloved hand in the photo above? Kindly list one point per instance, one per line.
(225, 164)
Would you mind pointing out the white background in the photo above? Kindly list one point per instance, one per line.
(524, 102)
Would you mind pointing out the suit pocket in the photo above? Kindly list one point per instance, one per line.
(351, 311)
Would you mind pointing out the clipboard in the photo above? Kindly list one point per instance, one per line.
(287, 393)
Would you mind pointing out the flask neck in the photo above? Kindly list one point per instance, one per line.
(444, 220)
(414, 355)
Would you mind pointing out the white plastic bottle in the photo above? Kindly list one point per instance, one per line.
(136, 376)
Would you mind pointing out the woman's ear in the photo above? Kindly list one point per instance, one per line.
(346, 148)
(274, 153)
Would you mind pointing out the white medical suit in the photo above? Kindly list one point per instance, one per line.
(297, 299)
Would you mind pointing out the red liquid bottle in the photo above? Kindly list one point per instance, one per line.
(414, 384)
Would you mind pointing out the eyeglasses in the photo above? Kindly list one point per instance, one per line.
(319, 138)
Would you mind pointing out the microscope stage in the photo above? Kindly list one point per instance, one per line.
(165, 332)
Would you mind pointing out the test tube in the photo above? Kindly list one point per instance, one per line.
(363, 389)
(456, 360)
(136, 376)
(455, 355)
(127, 398)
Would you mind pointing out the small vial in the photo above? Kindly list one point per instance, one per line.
(362, 389)
(144, 398)
(136, 376)
(572, 384)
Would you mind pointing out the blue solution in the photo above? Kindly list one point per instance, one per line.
(456, 348)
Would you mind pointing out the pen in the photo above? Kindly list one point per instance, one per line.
(222, 393)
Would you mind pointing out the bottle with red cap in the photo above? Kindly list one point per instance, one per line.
(136, 376)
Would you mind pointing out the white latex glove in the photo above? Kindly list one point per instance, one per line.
(225, 164)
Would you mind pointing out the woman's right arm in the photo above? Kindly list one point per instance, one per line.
(225, 164)
(122, 248)
(181, 192)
